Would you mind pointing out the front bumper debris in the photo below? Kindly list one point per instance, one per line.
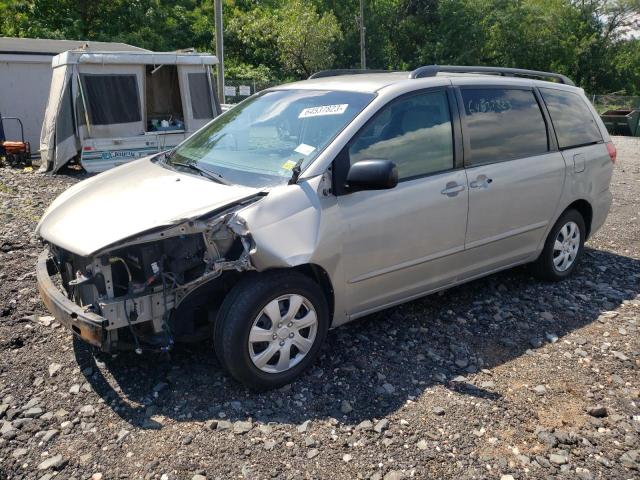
(85, 324)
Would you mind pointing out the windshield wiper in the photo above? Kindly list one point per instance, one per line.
(295, 172)
(202, 171)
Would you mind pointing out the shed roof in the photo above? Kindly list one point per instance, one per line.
(44, 46)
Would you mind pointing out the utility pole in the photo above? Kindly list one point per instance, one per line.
(219, 48)
(363, 55)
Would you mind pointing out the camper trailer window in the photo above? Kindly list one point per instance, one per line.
(111, 99)
(200, 96)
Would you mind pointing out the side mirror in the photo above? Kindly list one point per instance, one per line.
(372, 175)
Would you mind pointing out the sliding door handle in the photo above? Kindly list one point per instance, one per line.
(452, 189)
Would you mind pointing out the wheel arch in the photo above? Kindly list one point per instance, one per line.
(322, 278)
(213, 292)
(585, 209)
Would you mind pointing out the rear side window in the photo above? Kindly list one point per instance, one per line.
(503, 124)
(572, 120)
(413, 132)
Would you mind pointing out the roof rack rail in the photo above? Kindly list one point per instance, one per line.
(344, 71)
(433, 70)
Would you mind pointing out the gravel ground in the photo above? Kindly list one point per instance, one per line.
(505, 377)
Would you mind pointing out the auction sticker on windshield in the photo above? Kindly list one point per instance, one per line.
(323, 110)
(304, 149)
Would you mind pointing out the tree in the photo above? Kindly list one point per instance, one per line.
(305, 39)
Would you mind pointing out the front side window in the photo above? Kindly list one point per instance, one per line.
(503, 124)
(572, 120)
(261, 140)
(413, 132)
(111, 99)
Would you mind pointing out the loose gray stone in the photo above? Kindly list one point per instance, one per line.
(540, 389)
(551, 337)
(365, 425)
(462, 362)
(224, 425)
(597, 411)
(388, 388)
(303, 427)
(87, 411)
(34, 412)
(584, 474)
(49, 435)
(265, 429)
(547, 438)
(197, 476)
(346, 407)
(394, 475)
(151, 424)
(313, 453)
(631, 459)
(422, 445)
(381, 425)
(8, 432)
(242, 427)
(438, 411)
(535, 342)
(54, 462)
(566, 438)
(558, 459)
(620, 356)
(54, 368)
(19, 452)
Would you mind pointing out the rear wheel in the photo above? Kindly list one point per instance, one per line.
(563, 247)
(270, 328)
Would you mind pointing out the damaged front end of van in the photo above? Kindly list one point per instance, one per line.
(129, 252)
(130, 295)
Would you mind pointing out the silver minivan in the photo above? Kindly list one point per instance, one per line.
(315, 203)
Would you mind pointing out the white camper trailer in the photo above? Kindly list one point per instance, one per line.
(25, 77)
(107, 108)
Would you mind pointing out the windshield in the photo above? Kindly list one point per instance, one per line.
(259, 142)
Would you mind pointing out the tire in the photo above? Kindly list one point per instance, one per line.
(549, 266)
(244, 312)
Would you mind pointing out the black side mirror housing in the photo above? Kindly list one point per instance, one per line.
(372, 175)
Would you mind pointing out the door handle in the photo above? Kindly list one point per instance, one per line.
(452, 189)
(481, 182)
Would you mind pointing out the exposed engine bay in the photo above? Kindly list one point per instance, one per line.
(157, 288)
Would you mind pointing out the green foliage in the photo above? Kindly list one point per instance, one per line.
(276, 40)
(305, 38)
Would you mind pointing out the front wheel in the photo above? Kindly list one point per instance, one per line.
(270, 328)
(563, 248)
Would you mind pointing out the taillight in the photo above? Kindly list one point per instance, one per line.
(613, 153)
